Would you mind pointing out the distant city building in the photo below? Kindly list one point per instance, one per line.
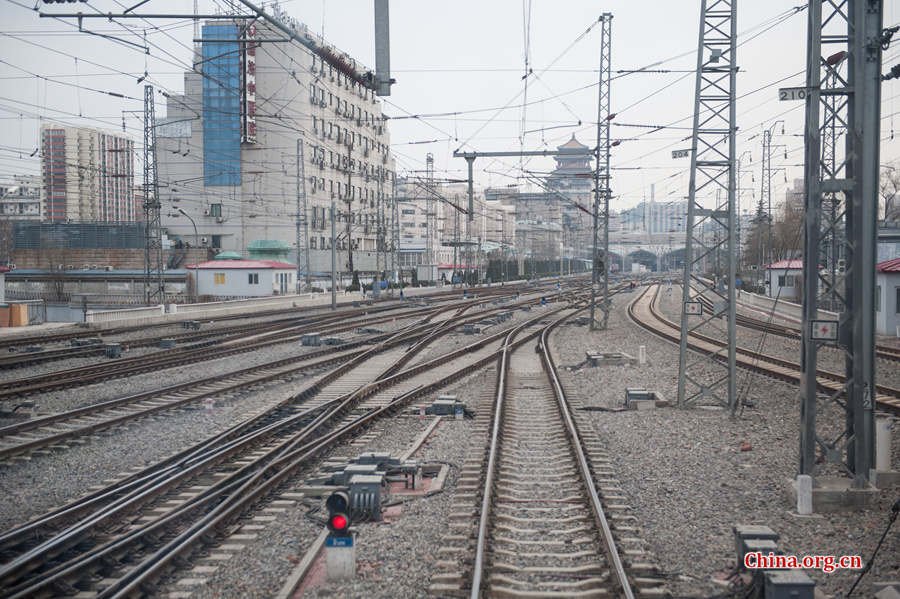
(655, 217)
(20, 199)
(229, 155)
(793, 198)
(88, 175)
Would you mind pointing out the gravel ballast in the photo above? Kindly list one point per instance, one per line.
(689, 480)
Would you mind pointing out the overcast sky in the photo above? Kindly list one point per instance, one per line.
(456, 57)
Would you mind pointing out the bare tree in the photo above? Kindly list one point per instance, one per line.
(889, 190)
(788, 234)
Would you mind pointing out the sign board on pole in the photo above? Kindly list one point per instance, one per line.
(823, 330)
(693, 308)
(680, 153)
(786, 94)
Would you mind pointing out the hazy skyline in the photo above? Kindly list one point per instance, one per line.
(462, 58)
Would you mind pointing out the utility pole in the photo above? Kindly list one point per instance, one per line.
(843, 100)
(348, 196)
(154, 286)
(470, 161)
(395, 233)
(429, 210)
(302, 219)
(455, 241)
(712, 168)
(333, 257)
(601, 194)
(766, 189)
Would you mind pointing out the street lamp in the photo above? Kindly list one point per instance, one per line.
(196, 240)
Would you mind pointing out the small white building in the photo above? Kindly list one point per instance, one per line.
(887, 297)
(785, 279)
(242, 278)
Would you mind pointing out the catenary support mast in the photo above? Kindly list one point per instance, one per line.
(154, 287)
(844, 46)
(599, 262)
(702, 377)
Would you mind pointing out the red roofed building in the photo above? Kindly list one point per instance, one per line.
(241, 278)
(785, 280)
(887, 297)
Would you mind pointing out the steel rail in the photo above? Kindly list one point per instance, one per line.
(888, 398)
(609, 542)
(478, 566)
(309, 429)
(51, 338)
(263, 481)
(98, 372)
(885, 352)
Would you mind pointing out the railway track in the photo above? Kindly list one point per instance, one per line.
(203, 351)
(22, 359)
(346, 308)
(644, 312)
(542, 526)
(126, 536)
(58, 430)
(885, 352)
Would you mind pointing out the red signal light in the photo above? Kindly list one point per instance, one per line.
(338, 522)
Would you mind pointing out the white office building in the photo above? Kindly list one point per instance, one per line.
(230, 148)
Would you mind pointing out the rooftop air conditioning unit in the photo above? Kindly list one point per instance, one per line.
(13, 266)
(203, 241)
(108, 268)
(206, 212)
(93, 267)
(220, 219)
(322, 103)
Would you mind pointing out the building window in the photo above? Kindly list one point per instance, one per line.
(219, 278)
(253, 278)
(312, 242)
(897, 300)
(217, 241)
(878, 298)
(215, 209)
(785, 281)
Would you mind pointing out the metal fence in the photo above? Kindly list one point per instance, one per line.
(77, 236)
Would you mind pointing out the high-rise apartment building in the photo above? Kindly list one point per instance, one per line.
(230, 147)
(88, 175)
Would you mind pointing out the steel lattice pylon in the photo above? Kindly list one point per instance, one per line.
(600, 266)
(701, 376)
(841, 182)
(154, 287)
